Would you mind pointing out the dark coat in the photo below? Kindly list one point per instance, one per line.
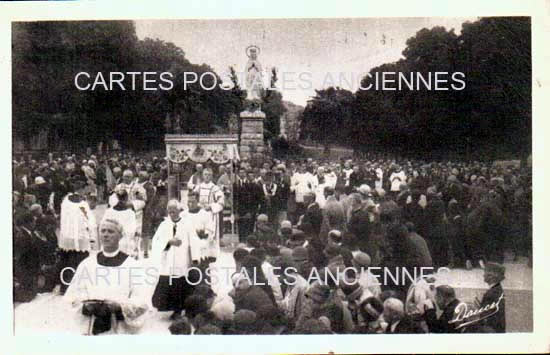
(441, 324)
(418, 253)
(360, 226)
(147, 229)
(498, 320)
(313, 218)
(283, 192)
(252, 299)
(355, 180)
(405, 326)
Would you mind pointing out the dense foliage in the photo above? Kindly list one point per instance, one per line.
(48, 55)
(491, 116)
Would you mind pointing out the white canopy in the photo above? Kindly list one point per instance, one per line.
(199, 148)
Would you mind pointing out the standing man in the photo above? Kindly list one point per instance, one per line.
(269, 204)
(302, 182)
(360, 227)
(148, 188)
(173, 254)
(312, 218)
(196, 178)
(212, 199)
(78, 228)
(245, 225)
(493, 275)
(201, 229)
(346, 175)
(396, 179)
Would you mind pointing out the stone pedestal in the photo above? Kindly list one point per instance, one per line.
(252, 134)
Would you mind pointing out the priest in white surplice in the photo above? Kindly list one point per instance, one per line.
(174, 253)
(78, 227)
(200, 224)
(109, 288)
(137, 196)
(123, 212)
(211, 199)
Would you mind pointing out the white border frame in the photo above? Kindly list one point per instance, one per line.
(539, 10)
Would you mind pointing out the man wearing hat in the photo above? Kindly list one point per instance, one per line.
(334, 215)
(368, 319)
(42, 191)
(360, 226)
(285, 232)
(493, 275)
(246, 294)
(296, 239)
(322, 302)
(355, 296)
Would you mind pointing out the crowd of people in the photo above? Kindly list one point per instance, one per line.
(309, 231)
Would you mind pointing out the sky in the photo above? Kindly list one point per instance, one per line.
(308, 54)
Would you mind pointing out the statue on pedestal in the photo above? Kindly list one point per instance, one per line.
(253, 83)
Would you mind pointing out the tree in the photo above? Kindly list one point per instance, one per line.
(272, 106)
(48, 55)
(328, 117)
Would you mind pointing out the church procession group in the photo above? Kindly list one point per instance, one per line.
(151, 258)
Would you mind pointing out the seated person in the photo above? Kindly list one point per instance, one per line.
(395, 319)
(264, 233)
(446, 301)
(108, 287)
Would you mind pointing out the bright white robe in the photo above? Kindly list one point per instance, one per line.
(331, 179)
(396, 179)
(320, 195)
(347, 173)
(302, 184)
(137, 195)
(129, 285)
(78, 227)
(380, 178)
(201, 220)
(177, 260)
(210, 195)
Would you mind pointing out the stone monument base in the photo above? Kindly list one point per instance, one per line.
(252, 134)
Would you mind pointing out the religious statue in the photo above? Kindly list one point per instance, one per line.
(254, 83)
